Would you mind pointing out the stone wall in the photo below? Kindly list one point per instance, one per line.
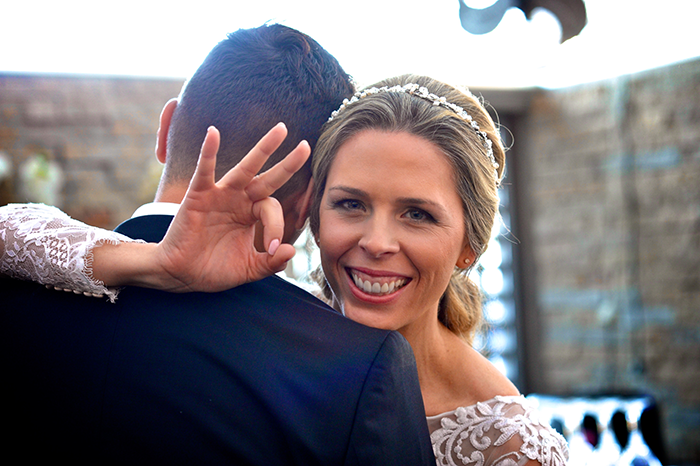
(100, 132)
(613, 179)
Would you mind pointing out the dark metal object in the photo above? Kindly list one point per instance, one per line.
(570, 13)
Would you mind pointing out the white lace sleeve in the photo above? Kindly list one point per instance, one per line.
(43, 244)
(505, 431)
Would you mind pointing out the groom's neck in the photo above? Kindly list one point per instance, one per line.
(174, 193)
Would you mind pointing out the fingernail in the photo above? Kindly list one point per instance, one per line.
(274, 244)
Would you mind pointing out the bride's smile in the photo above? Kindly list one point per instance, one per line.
(376, 283)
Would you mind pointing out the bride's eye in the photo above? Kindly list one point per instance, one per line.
(349, 204)
(418, 215)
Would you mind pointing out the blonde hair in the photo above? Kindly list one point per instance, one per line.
(460, 306)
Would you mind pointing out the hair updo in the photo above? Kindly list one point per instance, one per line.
(460, 306)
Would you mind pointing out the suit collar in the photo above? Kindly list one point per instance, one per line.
(150, 228)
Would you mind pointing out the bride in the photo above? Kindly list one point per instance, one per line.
(405, 197)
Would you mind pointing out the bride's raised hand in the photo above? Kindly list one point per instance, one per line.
(210, 243)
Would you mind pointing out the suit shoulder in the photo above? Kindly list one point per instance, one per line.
(287, 290)
(395, 348)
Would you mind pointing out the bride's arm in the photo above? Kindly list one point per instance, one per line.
(209, 246)
(43, 244)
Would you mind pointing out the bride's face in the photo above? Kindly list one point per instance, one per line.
(391, 229)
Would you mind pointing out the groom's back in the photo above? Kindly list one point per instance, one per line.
(257, 375)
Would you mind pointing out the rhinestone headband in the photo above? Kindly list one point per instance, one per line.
(423, 93)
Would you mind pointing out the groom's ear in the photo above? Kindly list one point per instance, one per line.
(305, 206)
(166, 116)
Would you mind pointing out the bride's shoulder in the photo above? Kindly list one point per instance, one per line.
(492, 423)
(504, 428)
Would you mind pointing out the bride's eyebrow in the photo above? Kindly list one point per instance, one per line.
(348, 190)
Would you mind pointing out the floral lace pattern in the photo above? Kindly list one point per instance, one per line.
(504, 431)
(43, 244)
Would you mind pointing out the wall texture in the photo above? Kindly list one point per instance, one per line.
(99, 131)
(613, 179)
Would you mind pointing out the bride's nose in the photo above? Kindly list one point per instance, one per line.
(378, 237)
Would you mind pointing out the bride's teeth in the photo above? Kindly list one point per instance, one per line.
(376, 288)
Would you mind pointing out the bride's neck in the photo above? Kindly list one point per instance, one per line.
(440, 358)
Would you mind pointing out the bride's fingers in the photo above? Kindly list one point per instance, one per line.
(269, 212)
(250, 165)
(203, 177)
(267, 183)
(278, 261)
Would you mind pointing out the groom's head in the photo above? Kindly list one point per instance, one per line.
(249, 82)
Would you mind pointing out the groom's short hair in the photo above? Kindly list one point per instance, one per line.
(249, 82)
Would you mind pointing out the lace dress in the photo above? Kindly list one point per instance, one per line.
(504, 431)
(43, 244)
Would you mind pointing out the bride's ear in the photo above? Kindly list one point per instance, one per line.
(466, 258)
(166, 117)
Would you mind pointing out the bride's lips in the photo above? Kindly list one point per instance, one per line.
(373, 285)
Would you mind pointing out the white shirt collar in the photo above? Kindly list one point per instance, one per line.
(157, 208)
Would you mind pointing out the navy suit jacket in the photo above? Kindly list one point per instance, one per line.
(260, 374)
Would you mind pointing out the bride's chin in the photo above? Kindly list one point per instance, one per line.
(366, 318)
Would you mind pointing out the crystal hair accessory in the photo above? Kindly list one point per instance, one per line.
(422, 92)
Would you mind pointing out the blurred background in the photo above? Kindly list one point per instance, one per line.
(592, 279)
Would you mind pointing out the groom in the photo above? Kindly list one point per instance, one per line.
(260, 374)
